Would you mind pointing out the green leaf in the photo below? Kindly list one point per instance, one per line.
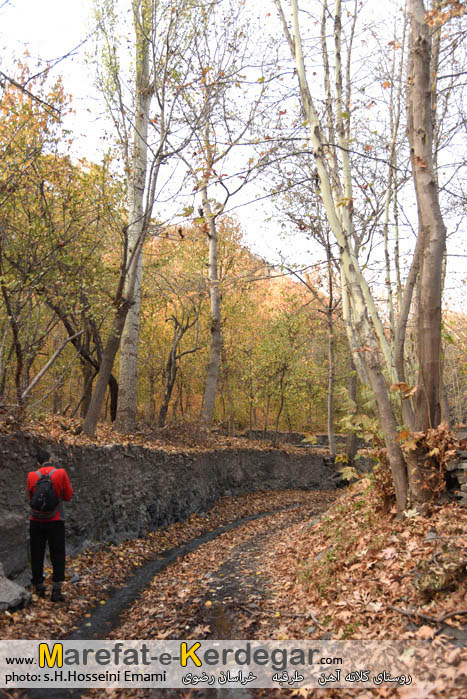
(447, 337)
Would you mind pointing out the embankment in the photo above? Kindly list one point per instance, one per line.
(127, 491)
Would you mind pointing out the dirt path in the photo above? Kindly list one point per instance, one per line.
(218, 590)
(239, 601)
(103, 619)
(243, 584)
(223, 601)
(100, 574)
(211, 586)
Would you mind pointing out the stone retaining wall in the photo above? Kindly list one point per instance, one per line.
(123, 492)
(458, 470)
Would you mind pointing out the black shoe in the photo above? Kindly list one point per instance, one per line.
(57, 596)
(39, 590)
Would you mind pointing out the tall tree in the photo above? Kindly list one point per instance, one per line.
(51, 214)
(161, 40)
(432, 231)
(334, 171)
(139, 211)
(377, 359)
(421, 94)
(226, 117)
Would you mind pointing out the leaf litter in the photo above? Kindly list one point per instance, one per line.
(349, 574)
(354, 573)
(92, 575)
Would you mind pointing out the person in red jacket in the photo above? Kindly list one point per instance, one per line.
(50, 531)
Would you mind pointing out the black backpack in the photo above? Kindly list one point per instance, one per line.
(44, 502)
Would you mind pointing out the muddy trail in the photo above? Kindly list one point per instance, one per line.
(104, 619)
(211, 587)
(264, 577)
(219, 590)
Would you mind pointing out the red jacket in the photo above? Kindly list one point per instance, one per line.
(61, 484)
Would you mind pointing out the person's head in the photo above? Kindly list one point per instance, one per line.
(42, 456)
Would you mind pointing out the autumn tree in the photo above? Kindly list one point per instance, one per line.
(302, 208)
(175, 292)
(145, 120)
(432, 230)
(51, 215)
(224, 105)
(330, 140)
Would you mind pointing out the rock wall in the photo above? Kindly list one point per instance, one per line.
(123, 492)
(458, 476)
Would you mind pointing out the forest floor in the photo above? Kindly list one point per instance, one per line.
(319, 565)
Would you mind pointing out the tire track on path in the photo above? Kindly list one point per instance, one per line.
(227, 585)
(187, 599)
(105, 618)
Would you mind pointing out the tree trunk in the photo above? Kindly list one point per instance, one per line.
(421, 85)
(331, 372)
(152, 401)
(128, 371)
(138, 218)
(331, 360)
(389, 427)
(57, 400)
(216, 320)
(401, 330)
(374, 370)
(105, 370)
(113, 392)
(87, 374)
(16, 341)
(431, 229)
(163, 413)
(351, 441)
(170, 376)
(266, 414)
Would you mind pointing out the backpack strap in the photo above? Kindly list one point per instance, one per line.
(45, 474)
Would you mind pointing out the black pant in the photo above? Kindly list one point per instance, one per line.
(40, 534)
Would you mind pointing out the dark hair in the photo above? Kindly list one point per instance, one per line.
(43, 456)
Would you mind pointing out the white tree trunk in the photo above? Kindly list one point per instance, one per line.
(137, 220)
(363, 322)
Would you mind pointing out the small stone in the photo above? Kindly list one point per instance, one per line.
(452, 465)
(12, 595)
